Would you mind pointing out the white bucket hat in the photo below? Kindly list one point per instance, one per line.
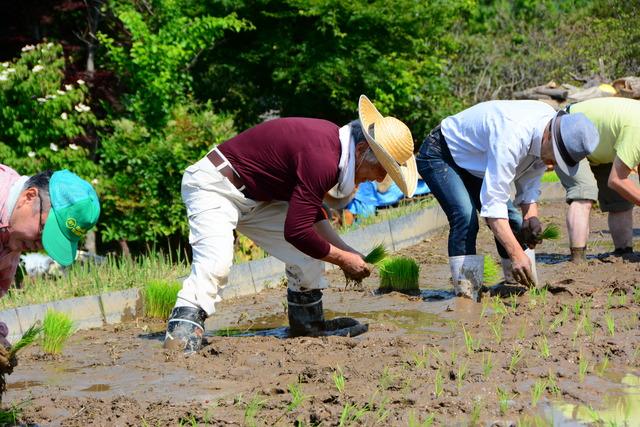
(391, 143)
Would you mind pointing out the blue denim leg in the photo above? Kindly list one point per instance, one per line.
(445, 180)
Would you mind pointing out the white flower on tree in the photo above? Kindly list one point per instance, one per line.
(37, 68)
(64, 116)
(73, 146)
(81, 108)
(28, 47)
(53, 147)
(68, 87)
(80, 82)
(31, 154)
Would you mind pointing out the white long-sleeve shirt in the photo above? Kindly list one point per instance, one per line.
(500, 141)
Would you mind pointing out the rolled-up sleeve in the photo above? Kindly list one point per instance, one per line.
(502, 160)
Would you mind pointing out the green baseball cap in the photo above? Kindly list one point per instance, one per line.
(74, 211)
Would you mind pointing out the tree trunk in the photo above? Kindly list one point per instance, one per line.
(124, 246)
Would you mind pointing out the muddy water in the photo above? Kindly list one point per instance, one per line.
(412, 364)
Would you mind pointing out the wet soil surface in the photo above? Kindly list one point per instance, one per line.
(562, 356)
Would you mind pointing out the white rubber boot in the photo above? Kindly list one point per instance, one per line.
(531, 253)
(467, 273)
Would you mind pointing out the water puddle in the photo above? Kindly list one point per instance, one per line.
(23, 385)
(620, 407)
(97, 388)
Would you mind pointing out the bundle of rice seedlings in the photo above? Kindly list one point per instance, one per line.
(377, 254)
(492, 270)
(551, 232)
(399, 274)
(57, 327)
(27, 339)
(159, 298)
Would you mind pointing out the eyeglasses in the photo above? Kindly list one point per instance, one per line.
(40, 224)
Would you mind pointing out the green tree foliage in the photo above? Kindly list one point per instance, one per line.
(315, 57)
(42, 119)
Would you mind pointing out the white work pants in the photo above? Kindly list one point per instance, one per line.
(215, 208)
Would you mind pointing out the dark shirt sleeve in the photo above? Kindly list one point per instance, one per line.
(305, 206)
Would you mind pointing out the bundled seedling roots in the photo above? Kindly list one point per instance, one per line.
(27, 339)
(376, 256)
(399, 274)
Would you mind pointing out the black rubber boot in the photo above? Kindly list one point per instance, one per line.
(306, 317)
(185, 329)
(623, 251)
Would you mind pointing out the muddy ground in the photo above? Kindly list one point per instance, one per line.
(559, 357)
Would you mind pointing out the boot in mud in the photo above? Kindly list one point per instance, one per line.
(306, 317)
(467, 274)
(579, 255)
(185, 329)
(623, 251)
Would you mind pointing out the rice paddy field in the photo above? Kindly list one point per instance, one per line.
(565, 355)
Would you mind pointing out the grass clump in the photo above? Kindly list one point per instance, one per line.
(491, 270)
(57, 327)
(550, 232)
(399, 274)
(377, 254)
(159, 298)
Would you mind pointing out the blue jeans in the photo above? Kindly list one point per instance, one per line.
(458, 193)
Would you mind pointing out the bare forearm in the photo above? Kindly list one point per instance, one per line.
(502, 231)
(529, 210)
(627, 189)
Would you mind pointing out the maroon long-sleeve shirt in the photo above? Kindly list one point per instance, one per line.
(293, 159)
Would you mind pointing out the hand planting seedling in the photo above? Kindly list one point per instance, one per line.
(159, 298)
(399, 274)
(57, 327)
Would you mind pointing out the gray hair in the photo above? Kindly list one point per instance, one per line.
(357, 134)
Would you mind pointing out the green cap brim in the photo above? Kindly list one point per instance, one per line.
(58, 246)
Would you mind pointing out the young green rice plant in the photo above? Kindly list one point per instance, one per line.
(577, 308)
(463, 369)
(498, 306)
(491, 270)
(414, 421)
(352, 413)
(487, 364)
(603, 366)
(252, 409)
(421, 360)
(386, 379)
(377, 254)
(438, 383)
(622, 299)
(26, 340)
(516, 356)
(543, 347)
(338, 379)
(399, 274)
(636, 294)
(560, 319)
(583, 367)
(587, 325)
(611, 323)
(522, 331)
(550, 232)
(503, 400)
(485, 306)
(497, 328)
(160, 297)
(476, 410)
(536, 391)
(297, 397)
(57, 327)
(552, 385)
(513, 302)
(469, 342)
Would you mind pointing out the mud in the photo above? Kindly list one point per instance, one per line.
(414, 363)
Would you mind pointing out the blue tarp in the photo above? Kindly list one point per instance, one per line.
(368, 198)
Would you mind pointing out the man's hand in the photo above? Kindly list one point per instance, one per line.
(521, 265)
(531, 233)
(354, 266)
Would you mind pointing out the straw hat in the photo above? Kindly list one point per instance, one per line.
(392, 144)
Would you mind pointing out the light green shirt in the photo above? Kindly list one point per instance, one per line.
(618, 122)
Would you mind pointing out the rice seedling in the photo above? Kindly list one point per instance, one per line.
(550, 232)
(587, 325)
(386, 379)
(485, 306)
(492, 270)
(57, 327)
(603, 366)
(513, 302)
(611, 323)
(351, 414)
(475, 413)
(415, 422)
(160, 297)
(497, 327)
(338, 379)
(469, 342)
(543, 347)
(577, 308)
(515, 359)
(377, 254)
(622, 299)
(297, 397)
(399, 274)
(560, 319)
(522, 331)
(609, 302)
(503, 400)
(252, 410)
(498, 306)
(536, 391)
(421, 360)
(461, 375)
(552, 385)
(26, 340)
(438, 383)
(454, 354)
(487, 364)
(636, 294)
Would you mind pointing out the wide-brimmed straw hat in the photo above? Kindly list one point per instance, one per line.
(391, 143)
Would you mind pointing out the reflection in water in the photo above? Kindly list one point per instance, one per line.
(622, 409)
